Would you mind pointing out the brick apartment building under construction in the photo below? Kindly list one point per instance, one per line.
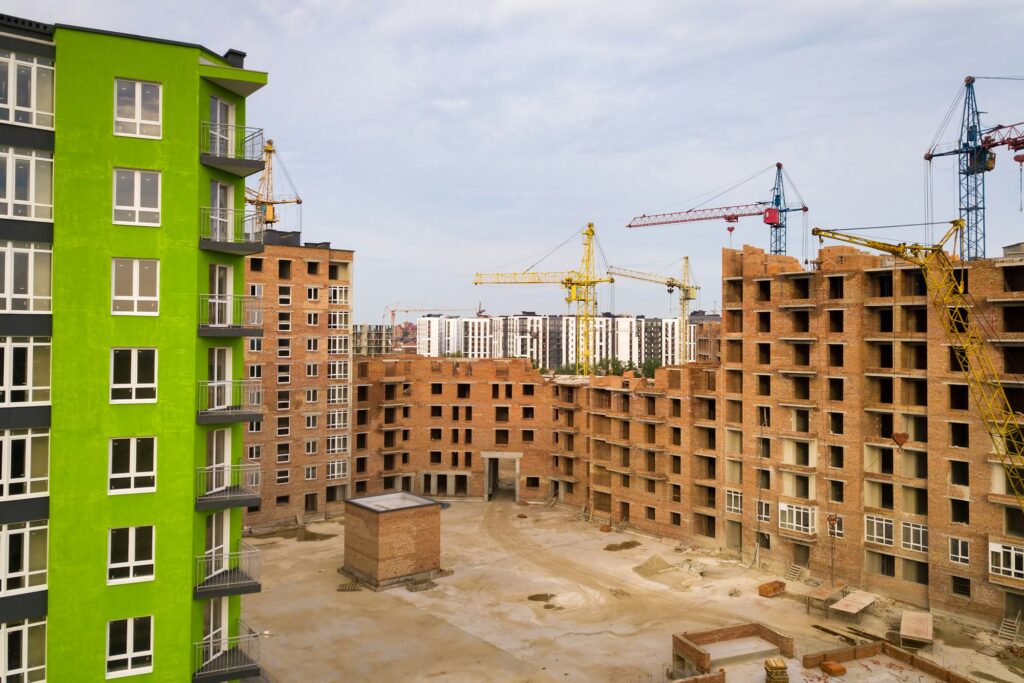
(782, 450)
(304, 361)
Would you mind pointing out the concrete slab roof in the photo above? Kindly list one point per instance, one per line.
(387, 502)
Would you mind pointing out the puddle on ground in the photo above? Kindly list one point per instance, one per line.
(625, 545)
(542, 597)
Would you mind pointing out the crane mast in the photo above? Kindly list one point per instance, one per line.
(687, 293)
(952, 306)
(581, 288)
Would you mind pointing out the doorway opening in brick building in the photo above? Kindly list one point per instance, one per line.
(1013, 604)
(310, 504)
(801, 555)
(501, 475)
(733, 535)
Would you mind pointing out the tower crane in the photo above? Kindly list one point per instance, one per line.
(687, 293)
(976, 158)
(773, 213)
(952, 306)
(263, 197)
(580, 287)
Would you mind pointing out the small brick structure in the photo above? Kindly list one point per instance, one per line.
(771, 589)
(392, 539)
(689, 657)
(873, 649)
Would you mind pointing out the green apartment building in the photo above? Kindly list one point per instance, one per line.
(123, 234)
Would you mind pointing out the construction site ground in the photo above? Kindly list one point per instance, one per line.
(537, 595)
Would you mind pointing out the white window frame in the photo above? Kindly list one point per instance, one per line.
(134, 298)
(799, 518)
(337, 320)
(255, 371)
(312, 395)
(133, 563)
(32, 478)
(29, 393)
(134, 473)
(311, 446)
(134, 385)
(26, 578)
(312, 421)
(286, 430)
(255, 426)
(734, 501)
(878, 530)
(284, 295)
(338, 394)
(284, 377)
(312, 344)
(34, 255)
(337, 443)
(337, 369)
(337, 295)
(34, 206)
(960, 551)
(764, 511)
(130, 654)
(1006, 560)
(137, 119)
(255, 344)
(254, 452)
(337, 345)
(284, 324)
(914, 536)
(282, 476)
(284, 347)
(337, 419)
(337, 469)
(310, 472)
(24, 630)
(312, 293)
(313, 319)
(137, 195)
(36, 114)
(256, 290)
(312, 369)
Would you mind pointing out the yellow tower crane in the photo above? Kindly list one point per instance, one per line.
(952, 306)
(263, 197)
(581, 289)
(687, 293)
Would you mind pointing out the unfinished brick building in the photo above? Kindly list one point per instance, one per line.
(304, 360)
(392, 538)
(783, 451)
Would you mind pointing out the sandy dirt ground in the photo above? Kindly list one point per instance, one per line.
(539, 599)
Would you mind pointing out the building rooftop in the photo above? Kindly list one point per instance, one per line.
(388, 502)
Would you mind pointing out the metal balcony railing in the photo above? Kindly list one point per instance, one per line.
(219, 572)
(227, 481)
(230, 226)
(230, 310)
(217, 656)
(230, 396)
(231, 142)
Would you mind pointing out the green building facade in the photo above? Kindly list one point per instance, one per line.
(123, 233)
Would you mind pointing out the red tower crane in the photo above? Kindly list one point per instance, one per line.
(773, 213)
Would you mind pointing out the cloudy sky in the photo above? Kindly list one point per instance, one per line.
(438, 139)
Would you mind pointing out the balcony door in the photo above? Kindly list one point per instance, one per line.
(218, 531)
(221, 205)
(218, 373)
(220, 295)
(218, 460)
(215, 629)
(222, 120)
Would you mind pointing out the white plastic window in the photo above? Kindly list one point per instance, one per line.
(135, 286)
(129, 647)
(137, 108)
(26, 183)
(25, 277)
(26, 89)
(132, 465)
(136, 197)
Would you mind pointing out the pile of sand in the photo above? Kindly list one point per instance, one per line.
(654, 566)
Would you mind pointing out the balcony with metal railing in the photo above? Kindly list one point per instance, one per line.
(219, 574)
(237, 150)
(220, 487)
(227, 659)
(230, 231)
(229, 400)
(230, 315)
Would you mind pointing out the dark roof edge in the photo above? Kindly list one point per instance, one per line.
(233, 57)
(26, 27)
